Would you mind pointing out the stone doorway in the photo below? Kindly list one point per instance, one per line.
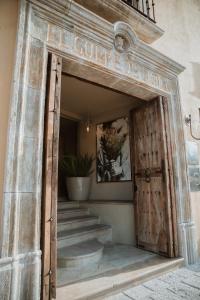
(91, 49)
(76, 252)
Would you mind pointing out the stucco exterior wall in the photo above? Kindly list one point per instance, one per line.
(8, 28)
(181, 41)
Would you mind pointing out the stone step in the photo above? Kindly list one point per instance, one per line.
(102, 233)
(99, 287)
(77, 222)
(67, 204)
(72, 212)
(80, 255)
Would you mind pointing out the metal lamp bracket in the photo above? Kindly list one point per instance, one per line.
(188, 122)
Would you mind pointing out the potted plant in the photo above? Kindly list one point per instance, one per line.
(78, 170)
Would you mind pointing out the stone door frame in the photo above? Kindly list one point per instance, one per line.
(109, 54)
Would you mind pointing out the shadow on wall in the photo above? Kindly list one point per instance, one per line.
(196, 76)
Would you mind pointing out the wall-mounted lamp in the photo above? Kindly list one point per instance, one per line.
(188, 122)
(88, 124)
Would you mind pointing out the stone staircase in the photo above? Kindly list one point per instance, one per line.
(80, 236)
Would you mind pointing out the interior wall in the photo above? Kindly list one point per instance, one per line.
(8, 28)
(119, 216)
(87, 144)
(180, 20)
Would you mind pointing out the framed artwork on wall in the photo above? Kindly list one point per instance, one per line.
(113, 151)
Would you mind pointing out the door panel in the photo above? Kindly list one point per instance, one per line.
(155, 228)
(50, 173)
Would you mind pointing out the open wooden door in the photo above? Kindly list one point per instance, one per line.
(50, 174)
(154, 196)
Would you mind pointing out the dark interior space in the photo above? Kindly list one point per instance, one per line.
(67, 145)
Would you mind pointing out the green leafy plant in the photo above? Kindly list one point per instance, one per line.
(77, 166)
(112, 142)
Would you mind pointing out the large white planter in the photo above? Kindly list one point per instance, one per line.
(78, 188)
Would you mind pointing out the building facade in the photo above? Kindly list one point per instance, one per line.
(111, 44)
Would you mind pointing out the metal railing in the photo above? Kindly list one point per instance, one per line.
(144, 7)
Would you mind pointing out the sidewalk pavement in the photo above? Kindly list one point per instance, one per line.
(182, 284)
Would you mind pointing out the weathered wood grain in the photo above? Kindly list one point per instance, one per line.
(154, 195)
(50, 174)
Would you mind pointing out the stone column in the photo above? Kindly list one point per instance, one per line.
(20, 263)
(186, 226)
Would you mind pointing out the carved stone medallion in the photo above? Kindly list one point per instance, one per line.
(121, 43)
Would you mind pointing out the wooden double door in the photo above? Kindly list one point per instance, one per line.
(152, 169)
(153, 180)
